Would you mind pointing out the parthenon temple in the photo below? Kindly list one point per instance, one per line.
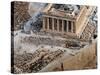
(71, 20)
(58, 37)
(59, 25)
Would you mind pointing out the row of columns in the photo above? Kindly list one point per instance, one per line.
(70, 27)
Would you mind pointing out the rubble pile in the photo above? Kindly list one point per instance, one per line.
(21, 14)
(68, 8)
(68, 11)
(29, 62)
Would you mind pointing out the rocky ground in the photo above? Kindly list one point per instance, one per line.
(34, 62)
(21, 14)
(91, 64)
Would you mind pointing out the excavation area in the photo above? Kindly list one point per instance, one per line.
(42, 53)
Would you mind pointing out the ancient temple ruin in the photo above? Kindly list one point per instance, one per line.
(59, 35)
(67, 20)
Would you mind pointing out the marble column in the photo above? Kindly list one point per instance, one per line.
(47, 23)
(62, 25)
(74, 27)
(71, 26)
(44, 23)
(67, 27)
(58, 25)
(52, 24)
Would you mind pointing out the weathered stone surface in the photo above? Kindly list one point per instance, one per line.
(21, 14)
(84, 59)
(88, 32)
(34, 62)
